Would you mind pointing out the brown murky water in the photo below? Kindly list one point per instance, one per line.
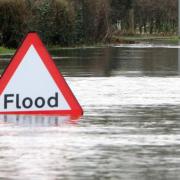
(130, 129)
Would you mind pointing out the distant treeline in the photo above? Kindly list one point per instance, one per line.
(71, 22)
(146, 16)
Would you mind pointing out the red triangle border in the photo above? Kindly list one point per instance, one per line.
(33, 39)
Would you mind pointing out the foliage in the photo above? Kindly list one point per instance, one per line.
(150, 16)
(13, 16)
(6, 50)
(71, 22)
(92, 20)
(53, 20)
(156, 16)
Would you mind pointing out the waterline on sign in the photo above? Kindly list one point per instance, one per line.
(37, 120)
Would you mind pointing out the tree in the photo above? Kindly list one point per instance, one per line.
(54, 21)
(13, 20)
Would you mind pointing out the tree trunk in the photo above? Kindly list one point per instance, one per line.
(131, 21)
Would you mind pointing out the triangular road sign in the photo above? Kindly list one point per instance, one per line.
(32, 84)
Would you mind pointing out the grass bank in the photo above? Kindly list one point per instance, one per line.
(4, 50)
(114, 40)
(144, 38)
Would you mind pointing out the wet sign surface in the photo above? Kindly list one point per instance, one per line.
(32, 84)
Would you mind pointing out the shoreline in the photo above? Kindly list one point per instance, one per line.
(145, 38)
(115, 40)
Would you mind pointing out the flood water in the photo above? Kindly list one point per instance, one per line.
(131, 124)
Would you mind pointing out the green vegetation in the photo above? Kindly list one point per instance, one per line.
(6, 50)
(58, 22)
(140, 38)
(77, 22)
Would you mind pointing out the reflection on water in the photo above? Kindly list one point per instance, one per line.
(115, 61)
(128, 60)
(130, 130)
(37, 121)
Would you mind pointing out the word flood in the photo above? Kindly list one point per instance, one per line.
(28, 102)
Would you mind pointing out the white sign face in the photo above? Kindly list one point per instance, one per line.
(32, 87)
(32, 83)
